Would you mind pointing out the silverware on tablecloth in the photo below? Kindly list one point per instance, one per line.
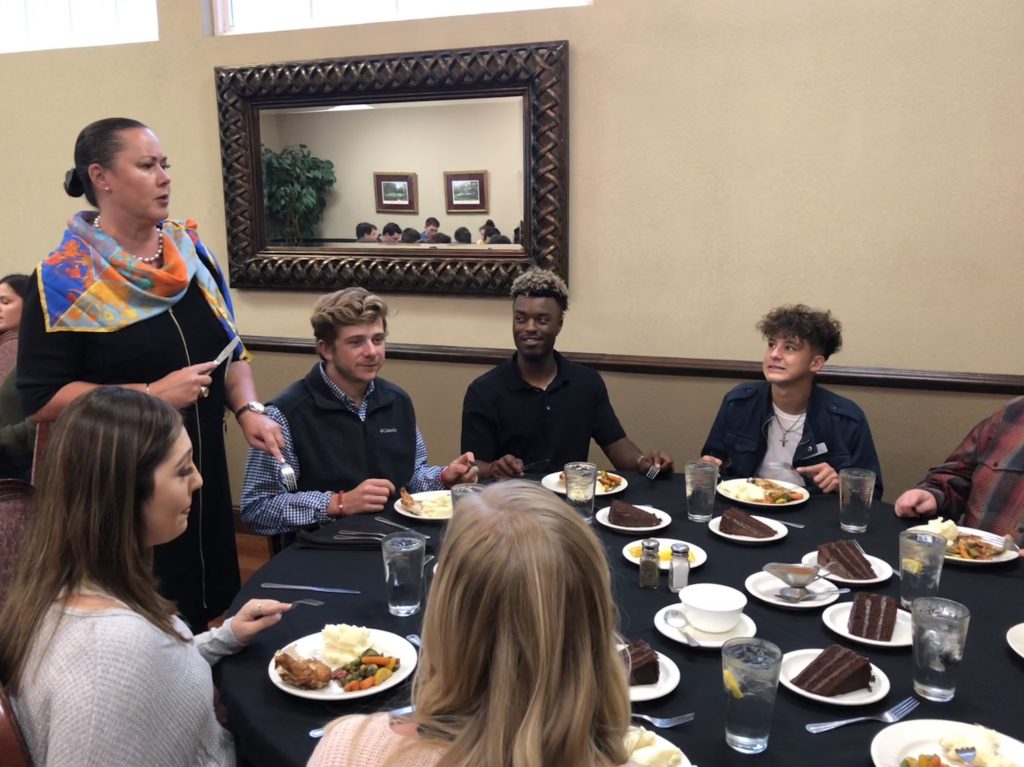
(891, 716)
(296, 587)
(795, 594)
(400, 527)
(798, 525)
(310, 602)
(665, 722)
(414, 639)
(357, 535)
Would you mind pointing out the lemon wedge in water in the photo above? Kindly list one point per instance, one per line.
(911, 566)
(731, 684)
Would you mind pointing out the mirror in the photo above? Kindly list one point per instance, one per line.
(383, 123)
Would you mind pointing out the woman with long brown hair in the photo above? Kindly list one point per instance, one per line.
(100, 668)
(519, 666)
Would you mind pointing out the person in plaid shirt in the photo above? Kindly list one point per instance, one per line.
(981, 484)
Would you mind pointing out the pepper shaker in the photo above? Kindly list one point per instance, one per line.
(649, 564)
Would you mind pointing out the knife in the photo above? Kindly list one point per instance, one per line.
(226, 351)
(307, 588)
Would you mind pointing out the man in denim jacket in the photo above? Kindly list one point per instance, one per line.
(788, 427)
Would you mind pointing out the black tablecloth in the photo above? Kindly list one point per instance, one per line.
(272, 727)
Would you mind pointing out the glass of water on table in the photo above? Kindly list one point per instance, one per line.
(750, 676)
(921, 557)
(580, 486)
(403, 571)
(939, 632)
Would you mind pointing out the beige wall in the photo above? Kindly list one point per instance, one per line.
(422, 139)
(726, 156)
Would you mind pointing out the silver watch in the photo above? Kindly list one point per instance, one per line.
(255, 407)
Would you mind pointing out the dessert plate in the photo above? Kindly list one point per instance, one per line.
(765, 585)
(668, 680)
(656, 751)
(311, 645)
(697, 555)
(1015, 638)
(921, 736)
(745, 628)
(437, 506)
(665, 517)
(781, 531)
(837, 618)
(556, 484)
(883, 570)
(737, 490)
(797, 660)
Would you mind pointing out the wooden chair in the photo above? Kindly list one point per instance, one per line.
(14, 500)
(13, 749)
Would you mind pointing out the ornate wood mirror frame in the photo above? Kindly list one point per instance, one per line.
(536, 71)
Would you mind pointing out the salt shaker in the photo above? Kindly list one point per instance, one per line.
(649, 564)
(679, 567)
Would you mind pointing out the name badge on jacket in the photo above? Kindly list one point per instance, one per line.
(388, 430)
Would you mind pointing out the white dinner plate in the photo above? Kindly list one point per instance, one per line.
(727, 488)
(1006, 556)
(426, 497)
(921, 736)
(1015, 638)
(883, 570)
(697, 555)
(556, 484)
(796, 661)
(745, 628)
(664, 517)
(311, 645)
(837, 618)
(764, 586)
(781, 531)
(641, 756)
(668, 680)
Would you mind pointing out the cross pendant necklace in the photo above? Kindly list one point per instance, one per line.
(786, 432)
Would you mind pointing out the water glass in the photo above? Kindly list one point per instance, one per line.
(939, 631)
(464, 490)
(403, 571)
(580, 486)
(750, 675)
(921, 557)
(701, 479)
(856, 490)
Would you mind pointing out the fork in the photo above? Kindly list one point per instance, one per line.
(653, 472)
(384, 521)
(891, 716)
(310, 602)
(288, 477)
(967, 754)
(664, 723)
(998, 541)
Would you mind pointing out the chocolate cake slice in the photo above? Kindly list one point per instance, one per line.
(625, 515)
(835, 671)
(642, 661)
(844, 558)
(736, 522)
(873, 616)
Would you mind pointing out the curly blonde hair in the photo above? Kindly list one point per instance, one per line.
(541, 283)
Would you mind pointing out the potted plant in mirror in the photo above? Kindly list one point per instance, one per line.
(295, 187)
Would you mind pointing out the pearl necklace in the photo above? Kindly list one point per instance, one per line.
(149, 260)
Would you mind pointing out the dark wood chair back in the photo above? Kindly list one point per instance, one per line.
(14, 500)
(13, 750)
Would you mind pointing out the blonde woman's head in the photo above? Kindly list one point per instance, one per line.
(520, 665)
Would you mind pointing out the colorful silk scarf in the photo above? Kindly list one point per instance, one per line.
(91, 284)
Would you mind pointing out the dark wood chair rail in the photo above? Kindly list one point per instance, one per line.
(853, 375)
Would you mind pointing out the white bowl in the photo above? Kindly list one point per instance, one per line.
(712, 607)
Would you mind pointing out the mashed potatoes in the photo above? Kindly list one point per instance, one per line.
(986, 741)
(343, 643)
(749, 492)
(650, 750)
(944, 527)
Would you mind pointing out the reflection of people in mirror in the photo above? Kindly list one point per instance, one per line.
(366, 232)
(391, 232)
(463, 237)
(430, 227)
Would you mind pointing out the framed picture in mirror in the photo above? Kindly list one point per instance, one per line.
(395, 192)
(465, 191)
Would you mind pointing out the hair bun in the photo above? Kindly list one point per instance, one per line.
(73, 183)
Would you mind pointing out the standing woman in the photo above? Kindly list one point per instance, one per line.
(134, 299)
(99, 668)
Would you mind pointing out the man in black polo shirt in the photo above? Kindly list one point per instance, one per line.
(349, 435)
(538, 409)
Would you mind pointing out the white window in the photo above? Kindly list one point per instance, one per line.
(234, 17)
(35, 25)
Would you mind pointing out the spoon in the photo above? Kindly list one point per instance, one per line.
(790, 594)
(677, 620)
(414, 639)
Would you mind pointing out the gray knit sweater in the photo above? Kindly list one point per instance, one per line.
(112, 689)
